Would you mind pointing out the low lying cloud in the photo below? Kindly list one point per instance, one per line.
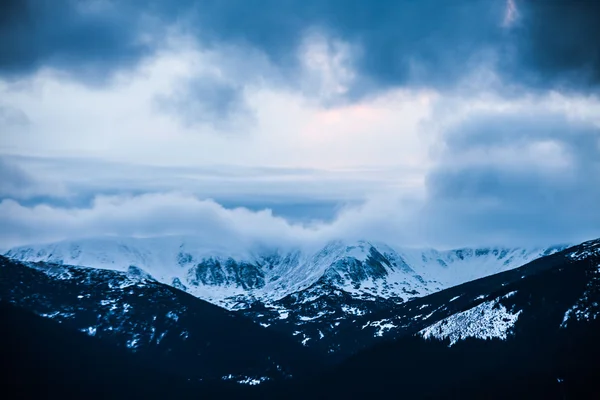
(489, 215)
(140, 216)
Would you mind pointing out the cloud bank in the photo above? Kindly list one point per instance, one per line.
(501, 178)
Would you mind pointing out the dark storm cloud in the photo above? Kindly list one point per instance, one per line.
(85, 39)
(430, 42)
(558, 43)
(400, 40)
(514, 198)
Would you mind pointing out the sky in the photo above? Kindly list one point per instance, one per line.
(417, 123)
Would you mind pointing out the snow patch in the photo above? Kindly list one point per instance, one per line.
(91, 331)
(283, 314)
(353, 310)
(51, 315)
(319, 315)
(132, 343)
(245, 380)
(382, 326)
(485, 321)
(173, 316)
(429, 315)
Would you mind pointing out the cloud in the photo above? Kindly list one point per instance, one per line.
(536, 44)
(298, 194)
(555, 45)
(514, 176)
(408, 168)
(259, 124)
(206, 100)
(146, 215)
(160, 214)
(12, 116)
(87, 39)
(473, 205)
(413, 122)
(17, 183)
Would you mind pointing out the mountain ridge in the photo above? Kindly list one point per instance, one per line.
(236, 279)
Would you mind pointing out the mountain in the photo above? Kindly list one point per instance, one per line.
(235, 280)
(337, 314)
(168, 328)
(531, 333)
(309, 295)
(439, 314)
(527, 332)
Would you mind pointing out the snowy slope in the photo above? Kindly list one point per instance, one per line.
(453, 267)
(170, 260)
(485, 321)
(234, 280)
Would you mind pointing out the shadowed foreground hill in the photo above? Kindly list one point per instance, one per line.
(43, 359)
(565, 367)
(174, 331)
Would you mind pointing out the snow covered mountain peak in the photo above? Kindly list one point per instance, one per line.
(360, 268)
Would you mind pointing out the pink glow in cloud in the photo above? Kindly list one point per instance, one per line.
(511, 13)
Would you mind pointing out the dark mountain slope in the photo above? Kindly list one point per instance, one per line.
(172, 330)
(565, 367)
(43, 359)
